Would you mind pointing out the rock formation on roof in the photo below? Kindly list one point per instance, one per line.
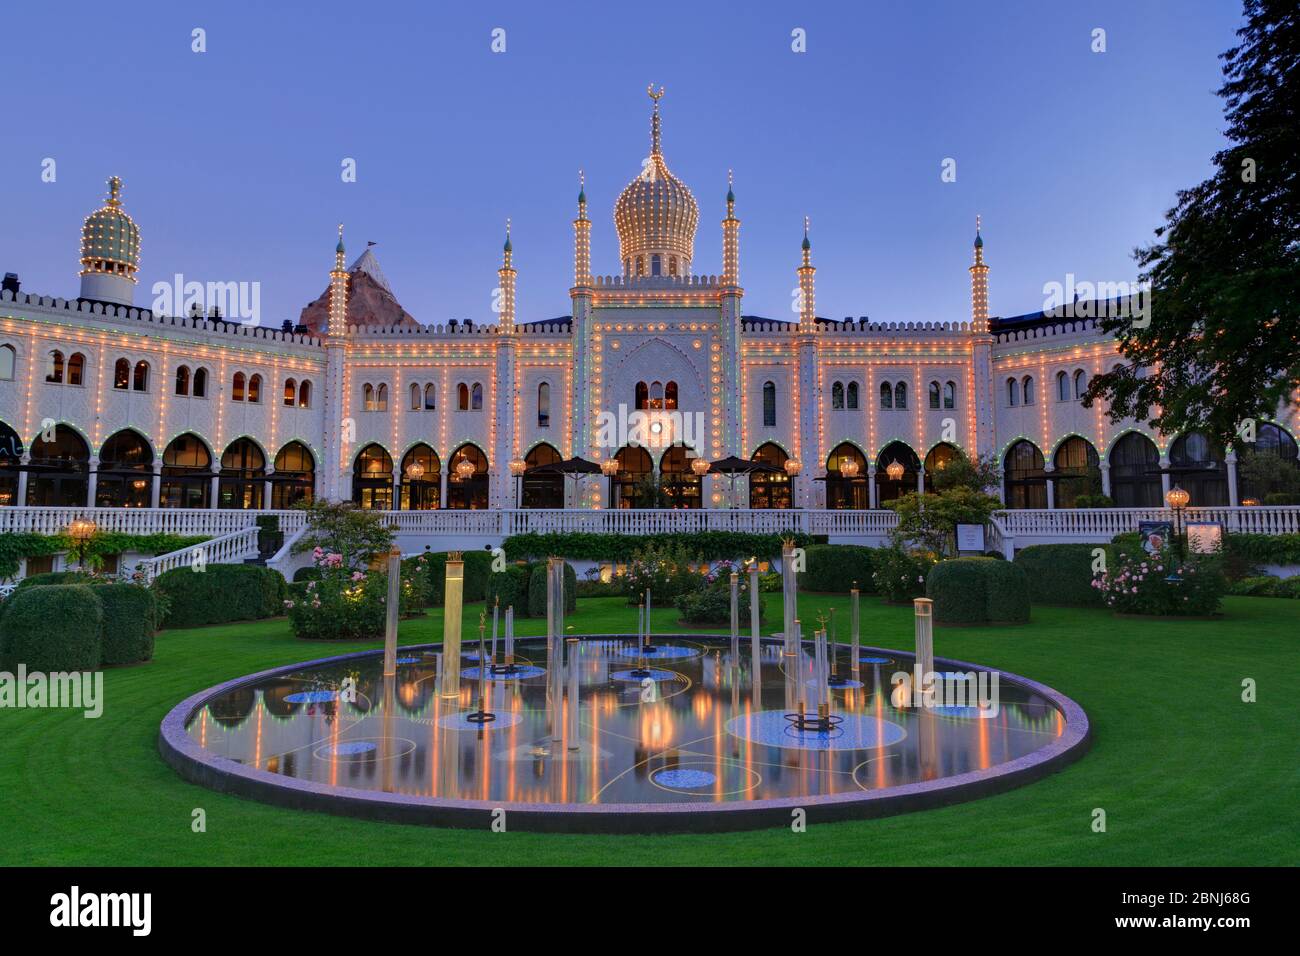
(370, 299)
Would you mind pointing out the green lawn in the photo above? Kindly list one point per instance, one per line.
(1187, 773)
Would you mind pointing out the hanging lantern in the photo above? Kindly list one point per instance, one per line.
(894, 470)
(415, 471)
(793, 466)
(849, 467)
(464, 469)
(517, 467)
(700, 467)
(1177, 497)
(609, 467)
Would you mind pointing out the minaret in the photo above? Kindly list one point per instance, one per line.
(110, 251)
(981, 352)
(729, 301)
(506, 278)
(810, 400)
(807, 286)
(584, 402)
(506, 357)
(339, 425)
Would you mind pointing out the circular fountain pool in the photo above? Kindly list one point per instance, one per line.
(686, 737)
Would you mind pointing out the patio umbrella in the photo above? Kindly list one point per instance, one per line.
(576, 468)
(731, 466)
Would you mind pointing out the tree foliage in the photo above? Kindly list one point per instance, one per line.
(342, 528)
(1223, 340)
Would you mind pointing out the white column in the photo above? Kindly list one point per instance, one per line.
(1105, 479)
(1051, 486)
(155, 493)
(214, 490)
(22, 480)
(1164, 479)
(1230, 460)
(920, 480)
(1002, 488)
(92, 480)
(872, 493)
(266, 488)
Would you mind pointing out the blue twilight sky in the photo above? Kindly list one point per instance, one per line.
(232, 157)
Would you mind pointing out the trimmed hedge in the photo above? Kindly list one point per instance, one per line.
(478, 565)
(1060, 574)
(220, 594)
(130, 621)
(51, 628)
(705, 545)
(55, 577)
(978, 591)
(537, 589)
(510, 587)
(835, 568)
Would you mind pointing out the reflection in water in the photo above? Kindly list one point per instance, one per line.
(698, 728)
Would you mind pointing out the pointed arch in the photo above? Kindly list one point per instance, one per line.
(372, 478)
(1024, 475)
(294, 480)
(186, 473)
(844, 491)
(243, 475)
(770, 490)
(467, 492)
(58, 469)
(544, 490)
(421, 478)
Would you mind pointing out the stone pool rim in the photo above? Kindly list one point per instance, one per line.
(197, 765)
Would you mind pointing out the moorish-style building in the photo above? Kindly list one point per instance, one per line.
(105, 403)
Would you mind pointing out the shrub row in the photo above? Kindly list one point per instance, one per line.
(1266, 585)
(1060, 574)
(220, 593)
(837, 568)
(978, 591)
(78, 627)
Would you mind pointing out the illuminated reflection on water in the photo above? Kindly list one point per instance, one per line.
(695, 728)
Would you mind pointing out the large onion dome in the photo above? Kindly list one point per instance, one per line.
(656, 215)
(110, 239)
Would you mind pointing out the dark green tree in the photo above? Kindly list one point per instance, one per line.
(1223, 341)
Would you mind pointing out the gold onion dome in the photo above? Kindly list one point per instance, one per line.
(110, 239)
(656, 213)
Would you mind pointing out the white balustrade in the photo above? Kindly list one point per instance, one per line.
(230, 548)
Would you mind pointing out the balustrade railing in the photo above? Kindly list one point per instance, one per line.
(229, 548)
(184, 521)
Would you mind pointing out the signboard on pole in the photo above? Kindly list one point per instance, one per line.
(970, 537)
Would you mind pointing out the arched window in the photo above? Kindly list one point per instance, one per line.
(887, 489)
(1062, 387)
(125, 474)
(186, 473)
(58, 468)
(851, 396)
(1076, 471)
(642, 395)
(122, 374)
(640, 265)
(681, 486)
(476, 397)
(1197, 464)
(769, 404)
(368, 397)
(837, 395)
(290, 393)
(243, 475)
(672, 265)
(770, 489)
(937, 461)
(542, 488)
(1013, 392)
(950, 395)
(842, 491)
(417, 401)
(421, 479)
(1135, 472)
(900, 395)
(200, 389)
(656, 395)
(7, 360)
(294, 480)
(372, 479)
(1024, 476)
(1080, 383)
(634, 483)
(462, 397)
(1027, 389)
(304, 394)
(670, 395)
(11, 453)
(430, 397)
(544, 405)
(381, 398)
(934, 395)
(255, 389)
(140, 379)
(886, 395)
(76, 368)
(655, 265)
(55, 373)
(1268, 465)
(183, 380)
(468, 493)
(237, 387)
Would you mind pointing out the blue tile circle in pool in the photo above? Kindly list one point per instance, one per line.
(715, 730)
(521, 672)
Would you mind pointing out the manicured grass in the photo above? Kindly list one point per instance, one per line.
(1187, 773)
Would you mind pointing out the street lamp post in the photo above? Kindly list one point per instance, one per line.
(517, 468)
(81, 530)
(1177, 499)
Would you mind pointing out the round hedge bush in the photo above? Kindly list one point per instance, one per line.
(55, 577)
(978, 591)
(52, 627)
(130, 620)
(537, 589)
(1060, 574)
(834, 568)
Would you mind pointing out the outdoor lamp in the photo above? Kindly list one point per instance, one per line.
(894, 470)
(793, 466)
(464, 468)
(849, 467)
(1177, 497)
(80, 531)
(415, 471)
(517, 466)
(609, 467)
(700, 467)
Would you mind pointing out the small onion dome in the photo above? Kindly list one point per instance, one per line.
(979, 241)
(110, 239)
(656, 213)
